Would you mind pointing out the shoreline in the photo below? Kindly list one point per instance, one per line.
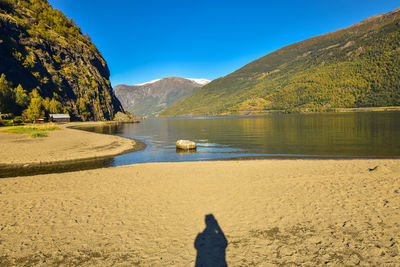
(66, 149)
(262, 113)
(62, 166)
(105, 159)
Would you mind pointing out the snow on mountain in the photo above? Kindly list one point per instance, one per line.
(153, 81)
(199, 81)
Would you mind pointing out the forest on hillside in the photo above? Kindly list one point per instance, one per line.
(355, 67)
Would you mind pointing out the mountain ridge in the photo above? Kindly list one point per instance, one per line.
(150, 98)
(299, 76)
(200, 81)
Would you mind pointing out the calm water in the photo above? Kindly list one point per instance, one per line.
(302, 135)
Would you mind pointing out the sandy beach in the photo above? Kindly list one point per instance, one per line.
(269, 212)
(61, 145)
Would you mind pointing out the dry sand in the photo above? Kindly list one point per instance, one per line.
(60, 146)
(272, 212)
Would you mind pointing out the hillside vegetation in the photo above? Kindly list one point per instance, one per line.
(151, 98)
(49, 66)
(354, 67)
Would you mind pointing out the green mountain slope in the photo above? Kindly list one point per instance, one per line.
(354, 67)
(150, 98)
(54, 64)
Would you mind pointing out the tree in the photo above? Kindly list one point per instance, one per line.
(55, 106)
(46, 104)
(82, 105)
(36, 108)
(21, 97)
(6, 95)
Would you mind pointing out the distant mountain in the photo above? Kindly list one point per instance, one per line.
(358, 66)
(47, 63)
(150, 98)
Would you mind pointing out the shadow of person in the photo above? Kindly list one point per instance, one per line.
(211, 245)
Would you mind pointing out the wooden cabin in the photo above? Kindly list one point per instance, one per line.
(59, 118)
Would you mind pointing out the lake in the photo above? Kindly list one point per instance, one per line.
(362, 134)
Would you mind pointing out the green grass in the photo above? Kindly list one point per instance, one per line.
(33, 131)
(38, 134)
(6, 123)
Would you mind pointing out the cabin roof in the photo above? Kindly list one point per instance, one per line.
(59, 116)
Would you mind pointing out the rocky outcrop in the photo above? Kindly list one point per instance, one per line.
(41, 49)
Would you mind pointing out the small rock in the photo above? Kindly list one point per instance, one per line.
(185, 144)
(373, 169)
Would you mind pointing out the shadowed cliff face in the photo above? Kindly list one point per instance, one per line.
(41, 48)
(151, 98)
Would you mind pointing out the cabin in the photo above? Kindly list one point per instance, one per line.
(59, 118)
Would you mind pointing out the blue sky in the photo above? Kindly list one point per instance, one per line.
(148, 39)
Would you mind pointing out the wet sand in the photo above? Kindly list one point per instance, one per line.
(267, 213)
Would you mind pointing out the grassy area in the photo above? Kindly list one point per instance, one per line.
(395, 108)
(38, 134)
(33, 131)
(6, 123)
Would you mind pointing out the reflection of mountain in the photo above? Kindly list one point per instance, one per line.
(357, 134)
(315, 134)
(149, 99)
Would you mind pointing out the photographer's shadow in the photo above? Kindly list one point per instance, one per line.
(211, 245)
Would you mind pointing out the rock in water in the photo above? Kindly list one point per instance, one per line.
(185, 144)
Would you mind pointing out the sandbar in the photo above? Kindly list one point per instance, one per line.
(61, 146)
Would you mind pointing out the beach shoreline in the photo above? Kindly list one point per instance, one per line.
(66, 148)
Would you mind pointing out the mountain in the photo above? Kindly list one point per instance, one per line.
(150, 98)
(358, 66)
(46, 57)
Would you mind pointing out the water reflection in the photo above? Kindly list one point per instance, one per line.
(344, 134)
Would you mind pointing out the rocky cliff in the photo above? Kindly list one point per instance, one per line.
(42, 49)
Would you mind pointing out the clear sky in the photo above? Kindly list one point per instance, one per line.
(143, 40)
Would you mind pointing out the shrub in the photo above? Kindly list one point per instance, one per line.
(38, 134)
